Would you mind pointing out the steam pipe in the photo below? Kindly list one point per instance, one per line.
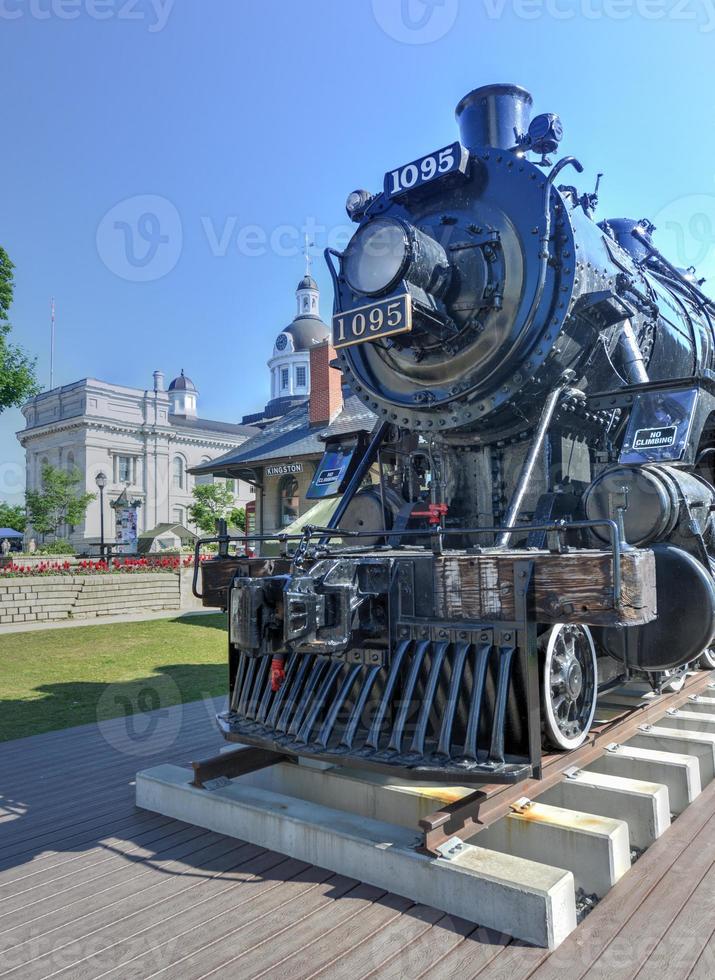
(632, 356)
(517, 499)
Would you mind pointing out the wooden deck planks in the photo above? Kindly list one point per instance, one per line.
(90, 886)
(278, 946)
(469, 957)
(394, 937)
(334, 943)
(677, 952)
(93, 927)
(223, 935)
(423, 952)
(581, 950)
(146, 929)
(640, 935)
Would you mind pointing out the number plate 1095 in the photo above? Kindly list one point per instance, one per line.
(373, 322)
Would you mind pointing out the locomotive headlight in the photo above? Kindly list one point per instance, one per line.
(376, 256)
(388, 249)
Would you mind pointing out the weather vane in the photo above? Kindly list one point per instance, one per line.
(308, 257)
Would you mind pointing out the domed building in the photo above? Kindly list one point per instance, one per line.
(182, 396)
(289, 364)
(145, 441)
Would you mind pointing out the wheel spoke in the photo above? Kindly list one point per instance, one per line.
(570, 676)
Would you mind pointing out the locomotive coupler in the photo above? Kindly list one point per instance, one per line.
(327, 609)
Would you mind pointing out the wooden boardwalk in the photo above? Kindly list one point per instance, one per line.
(90, 886)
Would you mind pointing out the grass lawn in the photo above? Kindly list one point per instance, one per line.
(57, 678)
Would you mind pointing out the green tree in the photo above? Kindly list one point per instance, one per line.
(58, 501)
(13, 516)
(212, 502)
(17, 368)
(237, 518)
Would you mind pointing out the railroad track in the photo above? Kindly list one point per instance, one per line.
(528, 860)
(473, 814)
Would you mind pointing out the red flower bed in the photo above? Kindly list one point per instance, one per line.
(90, 566)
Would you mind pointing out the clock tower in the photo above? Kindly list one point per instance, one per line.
(289, 364)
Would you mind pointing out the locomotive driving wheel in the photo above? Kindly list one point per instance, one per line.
(569, 685)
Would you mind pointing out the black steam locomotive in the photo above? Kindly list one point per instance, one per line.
(532, 515)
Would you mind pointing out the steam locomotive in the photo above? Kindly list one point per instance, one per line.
(531, 519)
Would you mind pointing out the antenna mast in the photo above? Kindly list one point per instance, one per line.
(52, 342)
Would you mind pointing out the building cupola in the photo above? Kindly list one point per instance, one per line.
(308, 297)
(307, 293)
(183, 394)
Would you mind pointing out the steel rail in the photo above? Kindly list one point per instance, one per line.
(465, 818)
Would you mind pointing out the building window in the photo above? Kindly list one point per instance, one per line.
(179, 473)
(70, 461)
(300, 376)
(204, 478)
(284, 379)
(289, 500)
(124, 469)
(178, 515)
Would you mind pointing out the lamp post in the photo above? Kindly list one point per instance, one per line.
(101, 481)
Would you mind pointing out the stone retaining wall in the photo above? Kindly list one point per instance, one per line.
(52, 598)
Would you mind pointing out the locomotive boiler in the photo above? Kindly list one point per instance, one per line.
(532, 514)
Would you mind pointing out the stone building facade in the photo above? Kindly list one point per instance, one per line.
(144, 440)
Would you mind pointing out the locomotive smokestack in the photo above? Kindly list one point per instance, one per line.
(493, 115)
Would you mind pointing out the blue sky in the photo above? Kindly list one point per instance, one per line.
(237, 124)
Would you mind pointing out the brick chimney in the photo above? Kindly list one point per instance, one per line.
(326, 395)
